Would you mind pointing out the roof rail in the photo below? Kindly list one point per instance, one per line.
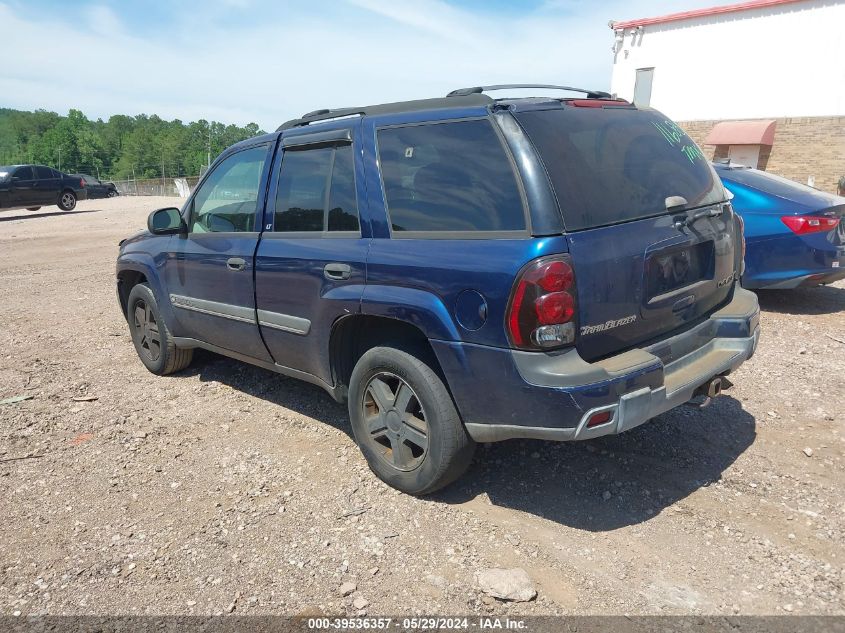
(468, 100)
(591, 94)
(320, 115)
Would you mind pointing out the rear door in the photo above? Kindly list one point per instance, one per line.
(643, 266)
(310, 264)
(209, 271)
(47, 185)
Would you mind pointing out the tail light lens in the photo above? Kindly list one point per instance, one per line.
(804, 224)
(542, 307)
(82, 182)
(741, 241)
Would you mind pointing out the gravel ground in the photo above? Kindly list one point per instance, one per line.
(227, 488)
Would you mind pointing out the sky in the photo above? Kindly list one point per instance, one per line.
(266, 61)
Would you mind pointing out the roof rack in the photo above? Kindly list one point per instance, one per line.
(591, 94)
(464, 96)
(387, 108)
(320, 115)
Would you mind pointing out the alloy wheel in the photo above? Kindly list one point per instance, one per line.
(67, 200)
(395, 421)
(147, 328)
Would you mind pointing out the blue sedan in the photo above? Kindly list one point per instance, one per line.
(795, 234)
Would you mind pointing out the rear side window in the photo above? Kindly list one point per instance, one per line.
(317, 191)
(451, 176)
(44, 173)
(611, 165)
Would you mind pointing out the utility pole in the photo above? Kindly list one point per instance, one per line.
(163, 185)
(60, 159)
(209, 146)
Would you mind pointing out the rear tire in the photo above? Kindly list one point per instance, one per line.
(151, 336)
(32, 208)
(67, 201)
(112, 193)
(405, 422)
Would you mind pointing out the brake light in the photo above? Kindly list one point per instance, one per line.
(542, 306)
(804, 224)
(82, 182)
(741, 242)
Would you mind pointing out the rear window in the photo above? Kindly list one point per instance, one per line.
(452, 176)
(611, 165)
(307, 176)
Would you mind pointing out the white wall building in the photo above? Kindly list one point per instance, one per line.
(779, 63)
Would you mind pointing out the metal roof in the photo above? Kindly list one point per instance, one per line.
(699, 13)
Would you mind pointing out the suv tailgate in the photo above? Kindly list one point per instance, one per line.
(642, 271)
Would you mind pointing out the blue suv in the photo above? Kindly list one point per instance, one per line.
(459, 270)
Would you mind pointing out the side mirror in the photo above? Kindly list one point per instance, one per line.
(166, 221)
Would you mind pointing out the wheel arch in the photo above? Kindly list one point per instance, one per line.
(131, 272)
(352, 336)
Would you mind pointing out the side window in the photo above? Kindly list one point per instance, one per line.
(43, 173)
(343, 208)
(23, 173)
(228, 199)
(451, 176)
(317, 191)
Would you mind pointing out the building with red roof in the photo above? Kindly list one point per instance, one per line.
(761, 82)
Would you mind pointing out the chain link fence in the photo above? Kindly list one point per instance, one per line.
(174, 187)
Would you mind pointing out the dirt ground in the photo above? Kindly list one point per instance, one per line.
(227, 488)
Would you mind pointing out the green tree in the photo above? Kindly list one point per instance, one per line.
(123, 145)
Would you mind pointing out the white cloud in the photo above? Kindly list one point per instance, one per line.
(270, 63)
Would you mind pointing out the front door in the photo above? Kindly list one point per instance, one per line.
(310, 262)
(22, 191)
(209, 271)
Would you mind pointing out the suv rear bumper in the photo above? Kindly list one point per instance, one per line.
(505, 394)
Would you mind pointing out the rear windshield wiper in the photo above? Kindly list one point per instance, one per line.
(674, 202)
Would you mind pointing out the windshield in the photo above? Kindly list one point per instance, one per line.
(611, 165)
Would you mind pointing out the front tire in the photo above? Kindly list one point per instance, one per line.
(405, 422)
(67, 201)
(151, 336)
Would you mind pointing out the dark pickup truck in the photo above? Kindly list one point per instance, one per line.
(35, 186)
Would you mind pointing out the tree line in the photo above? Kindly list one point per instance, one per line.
(142, 146)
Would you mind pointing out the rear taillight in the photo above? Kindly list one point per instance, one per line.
(742, 242)
(81, 183)
(542, 307)
(803, 224)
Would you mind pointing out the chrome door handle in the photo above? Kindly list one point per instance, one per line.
(235, 263)
(337, 271)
